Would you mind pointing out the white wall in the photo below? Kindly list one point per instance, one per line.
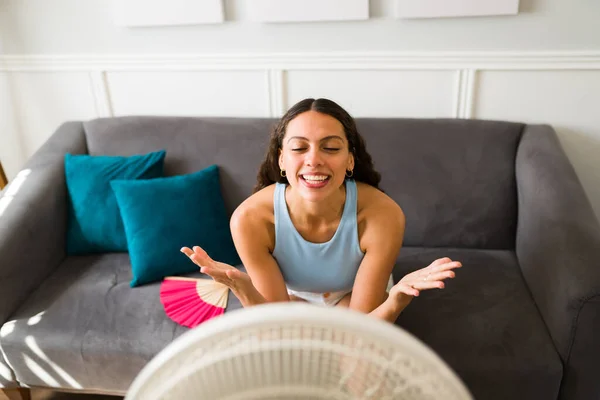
(75, 27)
(65, 60)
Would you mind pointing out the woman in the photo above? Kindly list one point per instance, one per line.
(317, 228)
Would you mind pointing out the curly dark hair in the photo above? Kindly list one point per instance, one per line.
(269, 171)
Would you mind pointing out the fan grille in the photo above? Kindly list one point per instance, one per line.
(293, 360)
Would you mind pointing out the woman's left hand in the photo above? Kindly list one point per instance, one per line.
(430, 277)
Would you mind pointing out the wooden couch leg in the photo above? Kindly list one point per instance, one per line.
(3, 180)
(17, 394)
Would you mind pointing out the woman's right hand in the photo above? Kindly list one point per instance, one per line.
(238, 281)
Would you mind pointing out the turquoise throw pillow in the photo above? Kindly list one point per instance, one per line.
(94, 220)
(162, 215)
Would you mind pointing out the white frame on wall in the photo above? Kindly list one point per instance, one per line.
(307, 10)
(146, 13)
(454, 8)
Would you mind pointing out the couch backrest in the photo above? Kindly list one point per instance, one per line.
(455, 179)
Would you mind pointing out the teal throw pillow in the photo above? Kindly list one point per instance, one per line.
(162, 215)
(94, 220)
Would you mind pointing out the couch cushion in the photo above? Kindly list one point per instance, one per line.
(454, 179)
(85, 327)
(95, 224)
(484, 324)
(191, 213)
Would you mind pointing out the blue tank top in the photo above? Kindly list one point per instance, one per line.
(317, 267)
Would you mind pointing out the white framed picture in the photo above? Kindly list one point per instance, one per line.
(454, 8)
(138, 13)
(307, 10)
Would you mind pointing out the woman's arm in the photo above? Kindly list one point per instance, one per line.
(381, 239)
(252, 229)
(253, 241)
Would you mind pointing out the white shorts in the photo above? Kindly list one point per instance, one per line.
(323, 299)
(329, 299)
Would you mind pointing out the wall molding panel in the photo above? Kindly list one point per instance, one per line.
(465, 93)
(100, 92)
(569, 60)
(276, 78)
(465, 65)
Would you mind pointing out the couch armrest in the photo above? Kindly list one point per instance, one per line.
(33, 218)
(558, 247)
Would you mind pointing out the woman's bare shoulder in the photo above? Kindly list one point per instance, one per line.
(257, 207)
(378, 216)
(254, 219)
(372, 200)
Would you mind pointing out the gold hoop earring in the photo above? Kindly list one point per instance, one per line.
(282, 173)
(349, 173)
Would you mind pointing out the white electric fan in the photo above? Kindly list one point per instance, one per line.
(282, 351)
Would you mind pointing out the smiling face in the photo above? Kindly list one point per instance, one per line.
(315, 155)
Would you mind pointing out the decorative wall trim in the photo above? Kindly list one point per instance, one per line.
(277, 106)
(100, 92)
(466, 93)
(569, 60)
(275, 65)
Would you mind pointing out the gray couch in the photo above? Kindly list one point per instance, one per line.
(520, 321)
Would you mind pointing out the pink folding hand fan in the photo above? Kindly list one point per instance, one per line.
(190, 301)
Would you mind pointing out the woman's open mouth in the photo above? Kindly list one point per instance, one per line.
(314, 181)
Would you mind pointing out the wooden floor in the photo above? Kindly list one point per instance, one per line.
(42, 394)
